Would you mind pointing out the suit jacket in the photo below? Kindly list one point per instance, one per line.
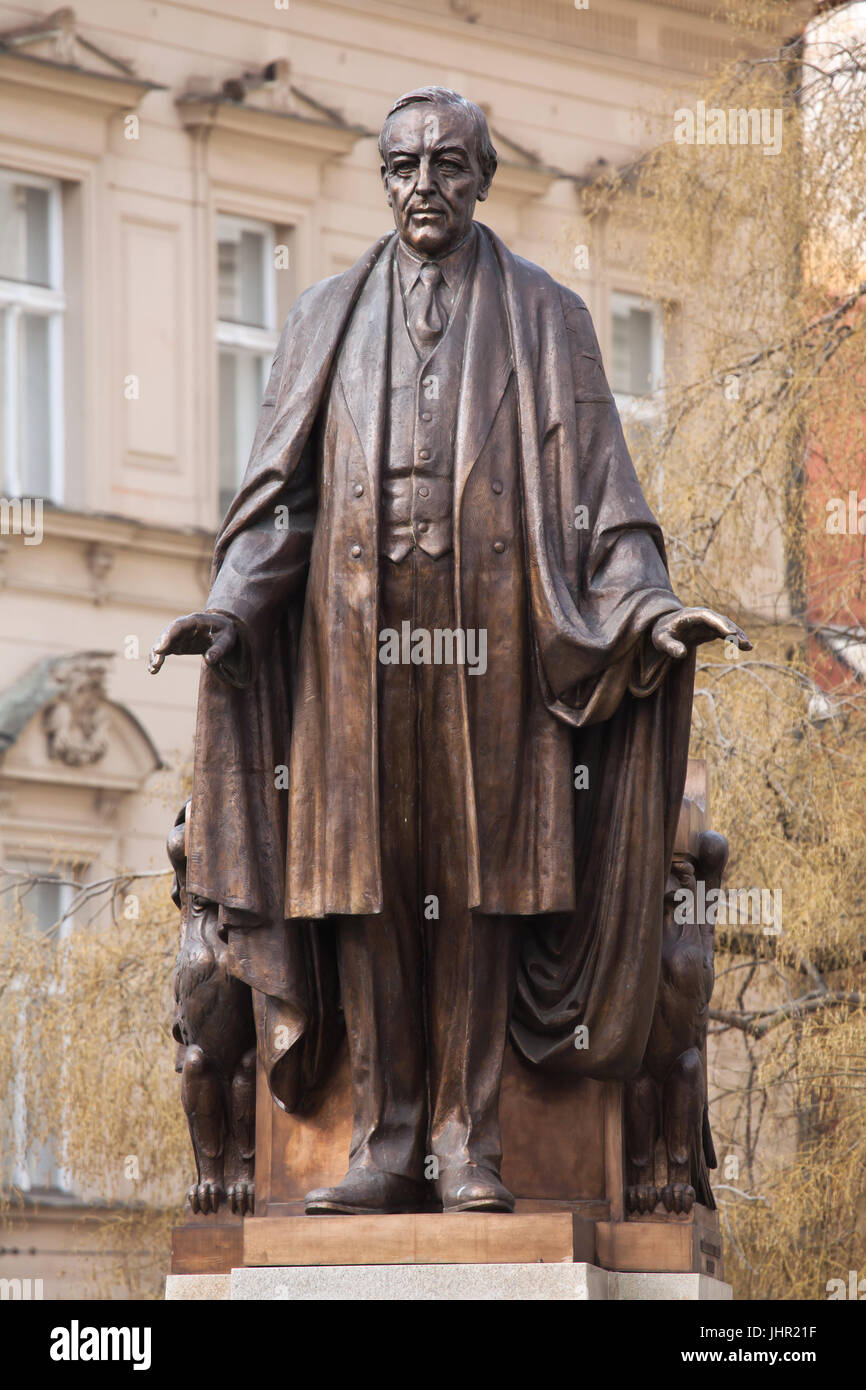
(567, 607)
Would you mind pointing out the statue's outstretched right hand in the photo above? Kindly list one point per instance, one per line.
(213, 635)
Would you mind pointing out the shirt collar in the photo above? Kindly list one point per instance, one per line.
(453, 266)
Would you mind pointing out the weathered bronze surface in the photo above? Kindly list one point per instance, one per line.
(216, 1050)
(667, 1101)
(444, 709)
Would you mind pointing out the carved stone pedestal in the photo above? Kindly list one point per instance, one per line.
(552, 1255)
(563, 1160)
(568, 1281)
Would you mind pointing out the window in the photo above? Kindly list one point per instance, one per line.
(247, 337)
(636, 346)
(31, 336)
(44, 899)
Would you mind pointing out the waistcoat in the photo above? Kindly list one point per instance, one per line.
(419, 464)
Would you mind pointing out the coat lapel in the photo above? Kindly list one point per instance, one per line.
(363, 362)
(487, 366)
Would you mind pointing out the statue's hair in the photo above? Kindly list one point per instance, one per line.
(444, 96)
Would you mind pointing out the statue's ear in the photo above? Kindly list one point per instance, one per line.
(713, 851)
(176, 847)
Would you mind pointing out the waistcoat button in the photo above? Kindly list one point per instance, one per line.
(358, 490)
(356, 551)
(499, 546)
(497, 487)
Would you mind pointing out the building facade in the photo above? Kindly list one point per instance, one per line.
(172, 175)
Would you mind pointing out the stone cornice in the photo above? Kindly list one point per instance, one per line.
(317, 138)
(120, 532)
(48, 79)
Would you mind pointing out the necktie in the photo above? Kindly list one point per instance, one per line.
(427, 323)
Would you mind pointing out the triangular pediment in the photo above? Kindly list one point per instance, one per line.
(56, 43)
(58, 725)
(268, 103)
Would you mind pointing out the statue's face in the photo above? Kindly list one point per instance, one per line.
(432, 177)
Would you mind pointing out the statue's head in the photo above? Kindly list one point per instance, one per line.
(437, 162)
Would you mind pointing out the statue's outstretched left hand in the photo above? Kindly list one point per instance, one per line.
(675, 633)
(212, 635)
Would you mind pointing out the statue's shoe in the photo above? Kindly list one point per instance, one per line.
(472, 1188)
(367, 1192)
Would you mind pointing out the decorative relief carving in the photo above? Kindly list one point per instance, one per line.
(100, 562)
(76, 723)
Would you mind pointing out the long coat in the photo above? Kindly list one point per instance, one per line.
(557, 556)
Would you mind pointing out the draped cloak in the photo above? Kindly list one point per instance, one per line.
(576, 737)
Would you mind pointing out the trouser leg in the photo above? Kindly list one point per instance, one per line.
(381, 957)
(380, 979)
(471, 958)
(427, 984)
(472, 963)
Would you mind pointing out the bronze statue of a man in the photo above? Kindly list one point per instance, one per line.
(443, 716)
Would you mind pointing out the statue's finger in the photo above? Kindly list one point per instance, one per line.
(728, 628)
(171, 642)
(220, 646)
(705, 618)
(670, 645)
(159, 651)
(729, 631)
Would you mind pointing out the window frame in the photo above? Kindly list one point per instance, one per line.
(249, 340)
(17, 296)
(269, 283)
(26, 1161)
(643, 406)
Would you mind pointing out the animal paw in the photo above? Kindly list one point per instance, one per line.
(205, 1197)
(641, 1198)
(678, 1196)
(242, 1197)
